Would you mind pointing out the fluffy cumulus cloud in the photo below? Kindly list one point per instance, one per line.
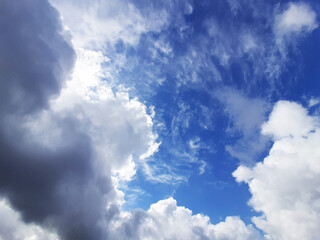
(288, 120)
(285, 186)
(165, 220)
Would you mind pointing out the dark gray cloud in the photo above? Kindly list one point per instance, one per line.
(55, 188)
(34, 56)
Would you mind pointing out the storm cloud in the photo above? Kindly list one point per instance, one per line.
(56, 188)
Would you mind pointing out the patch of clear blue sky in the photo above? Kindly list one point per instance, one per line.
(186, 108)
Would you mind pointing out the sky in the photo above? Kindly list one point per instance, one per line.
(167, 120)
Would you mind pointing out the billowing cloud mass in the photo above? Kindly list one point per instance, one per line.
(58, 153)
(166, 220)
(43, 180)
(285, 186)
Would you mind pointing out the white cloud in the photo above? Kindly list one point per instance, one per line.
(166, 220)
(94, 24)
(288, 120)
(13, 228)
(298, 17)
(119, 127)
(289, 26)
(285, 186)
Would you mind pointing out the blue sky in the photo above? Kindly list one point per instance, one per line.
(159, 119)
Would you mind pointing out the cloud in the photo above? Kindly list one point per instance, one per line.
(166, 220)
(35, 70)
(13, 228)
(313, 102)
(247, 115)
(296, 21)
(288, 120)
(285, 186)
(61, 142)
(97, 24)
(297, 18)
(124, 131)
